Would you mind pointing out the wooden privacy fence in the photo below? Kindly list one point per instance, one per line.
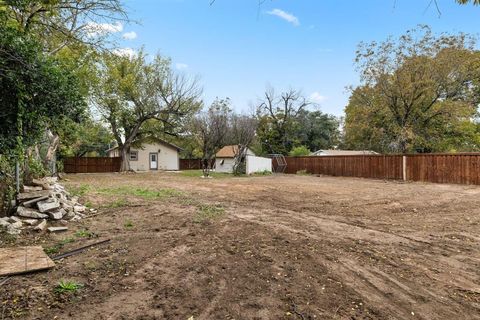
(193, 164)
(91, 164)
(462, 168)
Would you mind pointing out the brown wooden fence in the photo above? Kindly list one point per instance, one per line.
(193, 164)
(462, 168)
(91, 164)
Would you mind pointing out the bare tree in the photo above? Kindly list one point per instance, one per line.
(242, 133)
(279, 113)
(210, 128)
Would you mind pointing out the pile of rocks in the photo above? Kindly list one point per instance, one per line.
(44, 201)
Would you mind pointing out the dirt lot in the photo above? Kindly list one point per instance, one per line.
(272, 247)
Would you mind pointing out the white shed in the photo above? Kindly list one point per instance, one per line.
(224, 161)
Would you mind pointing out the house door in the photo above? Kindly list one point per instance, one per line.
(153, 161)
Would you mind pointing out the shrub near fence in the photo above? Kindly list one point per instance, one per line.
(461, 168)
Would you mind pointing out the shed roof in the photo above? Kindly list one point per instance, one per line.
(227, 151)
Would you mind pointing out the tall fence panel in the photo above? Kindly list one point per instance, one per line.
(91, 164)
(371, 166)
(194, 164)
(460, 168)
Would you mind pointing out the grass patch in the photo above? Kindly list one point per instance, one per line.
(84, 234)
(79, 191)
(128, 224)
(208, 212)
(199, 173)
(143, 193)
(303, 173)
(116, 204)
(65, 286)
(56, 248)
(262, 173)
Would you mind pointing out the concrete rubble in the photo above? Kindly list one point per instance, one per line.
(44, 202)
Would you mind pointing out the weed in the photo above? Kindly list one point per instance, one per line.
(84, 234)
(67, 286)
(262, 173)
(56, 248)
(208, 212)
(116, 204)
(80, 190)
(303, 173)
(5, 237)
(128, 224)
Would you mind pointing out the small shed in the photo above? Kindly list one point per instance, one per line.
(225, 159)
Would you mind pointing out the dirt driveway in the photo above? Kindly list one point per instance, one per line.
(272, 247)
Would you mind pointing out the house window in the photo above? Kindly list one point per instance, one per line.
(133, 155)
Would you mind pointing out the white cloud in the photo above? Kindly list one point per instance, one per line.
(316, 97)
(285, 16)
(129, 35)
(126, 52)
(95, 29)
(181, 66)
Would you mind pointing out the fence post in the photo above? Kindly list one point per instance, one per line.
(17, 176)
(404, 167)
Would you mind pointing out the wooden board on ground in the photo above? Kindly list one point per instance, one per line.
(23, 259)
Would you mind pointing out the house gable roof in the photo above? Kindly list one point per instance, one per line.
(138, 144)
(227, 152)
(343, 152)
(230, 151)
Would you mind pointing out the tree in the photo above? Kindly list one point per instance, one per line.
(277, 119)
(133, 91)
(415, 90)
(299, 151)
(317, 130)
(62, 24)
(242, 133)
(210, 129)
(90, 138)
(36, 92)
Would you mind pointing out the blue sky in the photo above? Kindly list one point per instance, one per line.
(238, 48)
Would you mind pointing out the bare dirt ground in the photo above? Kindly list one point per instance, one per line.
(272, 247)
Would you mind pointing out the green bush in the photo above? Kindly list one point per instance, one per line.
(299, 151)
(7, 185)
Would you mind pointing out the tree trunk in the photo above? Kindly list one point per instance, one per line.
(53, 143)
(125, 163)
(206, 166)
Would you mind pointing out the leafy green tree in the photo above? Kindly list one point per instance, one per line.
(417, 93)
(133, 91)
(36, 92)
(59, 24)
(88, 138)
(299, 151)
(317, 130)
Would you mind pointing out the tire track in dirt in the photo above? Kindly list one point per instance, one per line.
(374, 285)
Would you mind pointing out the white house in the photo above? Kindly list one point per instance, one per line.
(152, 155)
(225, 159)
